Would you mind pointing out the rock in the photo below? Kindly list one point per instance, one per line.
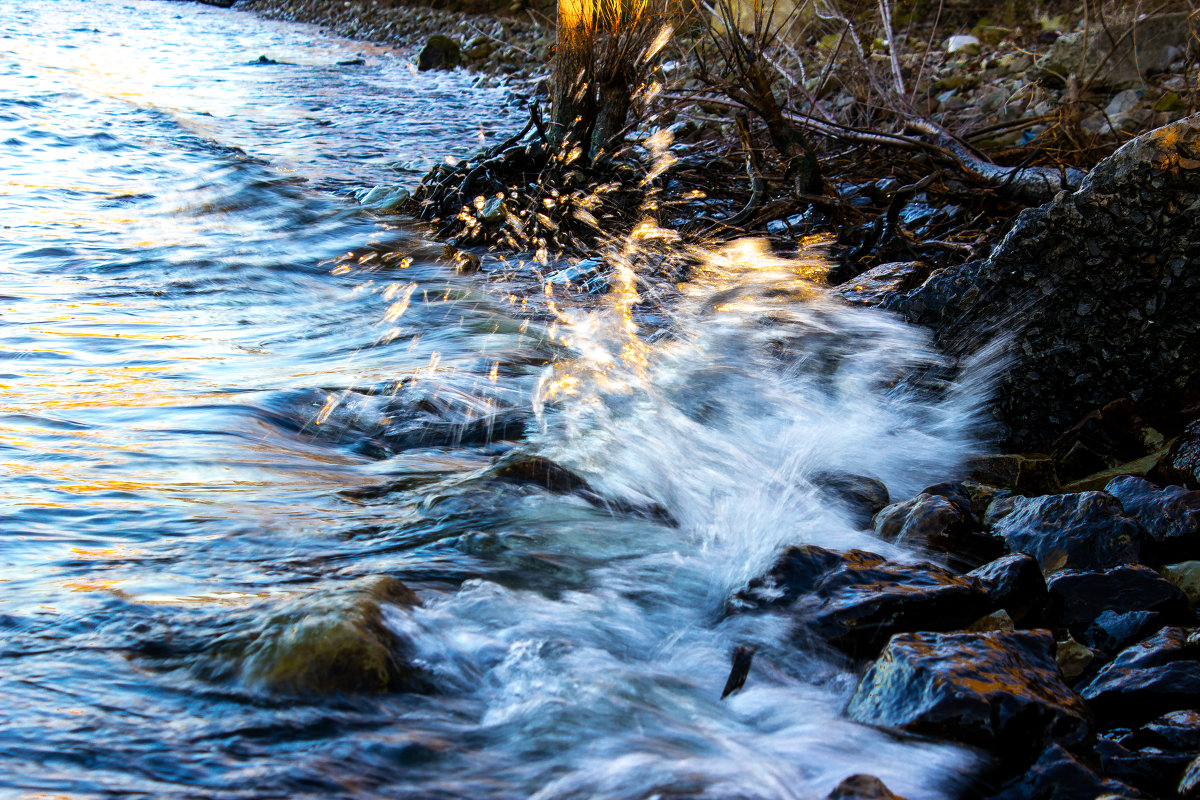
(1000, 690)
(1112, 630)
(334, 642)
(1178, 731)
(924, 521)
(1088, 530)
(1028, 473)
(385, 199)
(858, 606)
(589, 274)
(1094, 293)
(862, 787)
(1186, 576)
(1119, 53)
(1149, 769)
(1014, 584)
(797, 573)
(1182, 462)
(492, 210)
(995, 621)
(1058, 775)
(861, 495)
(1077, 599)
(422, 418)
(439, 52)
(1073, 658)
(878, 283)
(964, 43)
(1170, 517)
(1146, 680)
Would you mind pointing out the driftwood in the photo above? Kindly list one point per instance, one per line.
(1028, 184)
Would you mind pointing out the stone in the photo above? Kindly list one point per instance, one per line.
(1112, 630)
(1058, 775)
(1015, 584)
(881, 282)
(862, 787)
(1169, 516)
(1073, 658)
(1189, 784)
(1185, 575)
(796, 573)
(439, 52)
(1177, 730)
(1119, 53)
(1077, 599)
(862, 496)
(1182, 462)
(1028, 473)
(964, 43)
(334, 642)
(1094, 292)
(1155, 676)
(857, 607)
(1083, 531)
(1000, 690)
(385, 199)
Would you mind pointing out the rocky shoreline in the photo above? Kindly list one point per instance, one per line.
(1063, 640)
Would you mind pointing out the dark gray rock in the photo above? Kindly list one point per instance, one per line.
(1083, 531)
(1058, 775)
(796, 573)
(858, 607)
(1155, 676)
(861, 495)
(1178, 730)
(1169, 516)
(1113, 630)
(1077, 599)
(1093, 294)
(999, 690)
(1149, 769)
(1119, 53)
(1189, 784)
(439, 52)
(1013, 583)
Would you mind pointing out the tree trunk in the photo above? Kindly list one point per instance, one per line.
(572, 89)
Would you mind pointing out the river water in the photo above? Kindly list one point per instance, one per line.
(230, 400)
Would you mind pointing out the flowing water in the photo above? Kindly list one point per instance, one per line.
(232, 403)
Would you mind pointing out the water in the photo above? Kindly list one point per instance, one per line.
(219, 381)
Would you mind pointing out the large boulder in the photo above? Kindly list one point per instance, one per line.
(1158, 675)
(1170, 517)
(1078, 599)
(1092, 295)
(999, 690)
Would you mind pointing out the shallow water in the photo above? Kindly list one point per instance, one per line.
(218, 382)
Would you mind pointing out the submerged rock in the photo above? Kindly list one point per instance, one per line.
(998, 690)
(862, 496)
(862, 787)
(1083, 531)
(332, 642)
(1170, 517)
(1093, 295)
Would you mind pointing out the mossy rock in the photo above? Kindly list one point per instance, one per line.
(334, 642)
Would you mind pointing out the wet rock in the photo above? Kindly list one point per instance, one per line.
(858, 607)
(524, 468)
(797, 573)
(1178, 731)
(879, 283)
(1112, 630)
(1058, 775)
(385, 199)
(861, 495)
(1015, 584)
(1087, 531)
(1095, 292)
(862, 787)
(421, 418)
(1121, 53)
(1104, 438)
(334, 642)
(996, 621)
(1189, 784)
(1155, 676)
(999, 690)
(439, 52)
(940, 518)
(1077, 599)
(1170, 517)
(1182, 462)
(1148, 769)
